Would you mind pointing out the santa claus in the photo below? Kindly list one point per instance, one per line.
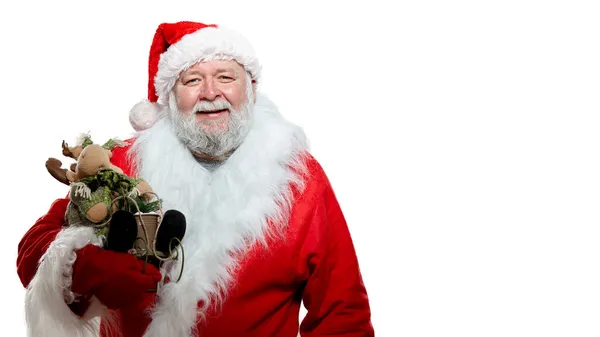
(264, 229)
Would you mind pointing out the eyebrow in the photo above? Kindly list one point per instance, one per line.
(224, 70)
(218, 71)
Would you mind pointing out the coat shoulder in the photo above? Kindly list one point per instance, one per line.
(313, 176)
(122, 157)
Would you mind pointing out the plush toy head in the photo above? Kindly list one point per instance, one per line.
(92, 159)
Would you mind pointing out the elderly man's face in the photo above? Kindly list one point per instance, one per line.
(210, 106)
(222, 83)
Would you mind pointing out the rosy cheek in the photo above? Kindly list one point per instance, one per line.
(185, 100)
(233, 95)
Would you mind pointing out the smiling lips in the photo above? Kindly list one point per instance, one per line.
(212, 114)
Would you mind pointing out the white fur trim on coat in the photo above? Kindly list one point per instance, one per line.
(205, 44)
(227, 209)
(46, 312)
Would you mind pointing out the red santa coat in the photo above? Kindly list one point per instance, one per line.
(304, 252)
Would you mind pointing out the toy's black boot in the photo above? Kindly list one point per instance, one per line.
(122, 232)
(170, 232)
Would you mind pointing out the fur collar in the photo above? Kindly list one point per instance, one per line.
(227, 209)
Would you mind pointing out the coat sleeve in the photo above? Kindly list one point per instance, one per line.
(334, 296)
(37, 239)
(45, 230)
(45, 257)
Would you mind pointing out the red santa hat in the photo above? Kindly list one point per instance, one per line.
(176, 47)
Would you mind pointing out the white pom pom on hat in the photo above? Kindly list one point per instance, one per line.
(176, 47)
(143, 115)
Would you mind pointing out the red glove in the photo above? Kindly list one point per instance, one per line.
(118, 280)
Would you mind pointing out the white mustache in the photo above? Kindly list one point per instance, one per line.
(203, 106)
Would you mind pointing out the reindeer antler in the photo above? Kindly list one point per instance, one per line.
(72, 152)
(53, 166)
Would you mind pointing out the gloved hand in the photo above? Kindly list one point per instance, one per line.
(118, 280)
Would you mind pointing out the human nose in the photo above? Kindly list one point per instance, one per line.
(209, 91)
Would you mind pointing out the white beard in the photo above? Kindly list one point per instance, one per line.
(247, 198)
(215, 144)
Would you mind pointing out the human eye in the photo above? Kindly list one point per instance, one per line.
(226, 78)
(191, 80)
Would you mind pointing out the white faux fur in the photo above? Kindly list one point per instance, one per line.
(227, 209)
(143, 115)
(46, 313)
(205, 44)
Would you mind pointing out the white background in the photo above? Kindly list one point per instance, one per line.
(462, 138)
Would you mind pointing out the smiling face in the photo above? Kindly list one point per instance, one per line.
(210, 106)
(210, 90)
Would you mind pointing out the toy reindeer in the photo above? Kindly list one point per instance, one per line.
(123, 210)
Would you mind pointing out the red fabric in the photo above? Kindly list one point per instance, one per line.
(118, 280)
(166, 35)
(316, 263)
(112, 277)
(37, 239)
(120, 158)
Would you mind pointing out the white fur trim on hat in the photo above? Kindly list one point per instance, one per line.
(144, 114)
(205, 44)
